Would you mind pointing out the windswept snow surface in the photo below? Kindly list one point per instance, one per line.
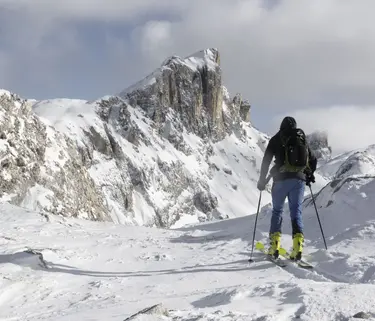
(104, 271)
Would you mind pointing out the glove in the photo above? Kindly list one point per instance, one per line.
(261, 184)
(310, 178)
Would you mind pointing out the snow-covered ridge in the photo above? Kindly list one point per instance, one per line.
(358, 162)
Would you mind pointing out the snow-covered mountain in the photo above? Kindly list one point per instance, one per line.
(174, 148)
(356, 163)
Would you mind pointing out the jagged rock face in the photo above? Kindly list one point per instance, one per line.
(23, 141)
(35, 158)
(171, 179)
(318, 142)
(155, 175)
(192, 87)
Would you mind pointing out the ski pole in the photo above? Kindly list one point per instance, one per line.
(256, 220)
(317, 214)
(255, 227)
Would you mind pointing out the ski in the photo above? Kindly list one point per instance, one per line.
(285, 256)
(279, 262)
(301, 263)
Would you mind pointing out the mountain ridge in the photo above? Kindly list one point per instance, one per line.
(177, 151)
(132, 164)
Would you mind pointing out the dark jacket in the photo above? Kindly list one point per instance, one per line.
(274, 149)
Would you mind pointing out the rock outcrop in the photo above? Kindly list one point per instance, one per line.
(318, 142)
(42, 168)
(193, 89)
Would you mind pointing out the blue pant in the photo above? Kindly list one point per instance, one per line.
(293, 189)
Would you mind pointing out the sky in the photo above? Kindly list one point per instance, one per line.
(314, 60)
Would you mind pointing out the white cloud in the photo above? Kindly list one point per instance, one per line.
(298, 53)
(348, 127)
(154, 40)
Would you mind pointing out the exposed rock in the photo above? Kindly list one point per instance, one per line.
(28, 163)
(157, 310)
(205, 201)
(191, 87)
(318, 142)
(227, 171)
(245, 111)
(362, 315)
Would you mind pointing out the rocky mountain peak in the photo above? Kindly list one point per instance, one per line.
(208, 57)
(192, 88)
(318, 142)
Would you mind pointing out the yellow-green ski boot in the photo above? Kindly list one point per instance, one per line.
(298, 240)
(275, 240)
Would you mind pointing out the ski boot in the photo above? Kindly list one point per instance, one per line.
(298, 240)
(275, 239)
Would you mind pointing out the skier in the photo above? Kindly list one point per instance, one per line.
(294, 167)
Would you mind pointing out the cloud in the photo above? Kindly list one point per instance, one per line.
(154, 38)
(296, 55)
(99, 10)
(280, 54)
(348, 127)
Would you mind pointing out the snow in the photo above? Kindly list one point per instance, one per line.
(358, 162)
(231, 172)
(144, 213)
(5, 92)
(201, 58)
(235, 159)
(146, 82)
(195, 62)
(197, 271)
(106, 271)
(37, 197)
(69, 116)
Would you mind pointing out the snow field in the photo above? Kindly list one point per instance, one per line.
(103, 271)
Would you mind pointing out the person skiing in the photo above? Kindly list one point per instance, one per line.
(294, 167)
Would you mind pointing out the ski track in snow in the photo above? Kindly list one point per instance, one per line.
(103, 271)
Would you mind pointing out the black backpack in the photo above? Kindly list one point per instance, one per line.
(295, 153)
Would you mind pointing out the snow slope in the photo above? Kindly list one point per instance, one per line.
(103, 271)
(358, 162)
(230, 171)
